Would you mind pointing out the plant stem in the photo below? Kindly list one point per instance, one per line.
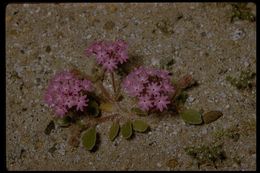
(113, 82)
(94, 121)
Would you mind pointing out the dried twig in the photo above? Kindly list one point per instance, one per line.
(186, 82)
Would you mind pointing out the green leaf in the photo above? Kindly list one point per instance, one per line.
(113, 132)
(181, 98)
(89, 138)
(139, 112)
(64, 122)
(140, 126)
(191, 116)
(127, 130)
(211, 116)
(107, 107)
(93, 108)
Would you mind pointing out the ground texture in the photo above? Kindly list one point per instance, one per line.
(42, 39)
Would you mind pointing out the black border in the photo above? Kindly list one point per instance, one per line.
(3, 65)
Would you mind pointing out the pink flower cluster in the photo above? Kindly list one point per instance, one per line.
(151, 86)
(66, 91)
(109, 54)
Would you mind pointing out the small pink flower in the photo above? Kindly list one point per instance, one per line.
(143, 78)
(168, 87)
(153, 89)
(137, 89)
(145, 102)
(110, 65)
(161, 102)
(81, 103)
(59, 97)
(109, 54)
(76, 89)
(102, 56)
(122, 56)
(66, 91)
(87, 85)
(69, 102)
(65, 88)
(154, 84)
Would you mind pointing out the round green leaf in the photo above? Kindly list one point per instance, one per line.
(211, 116)
(89, 138)
(140, 126)
(107, 107)
(113, 132)
(127, 130)
(191, 116)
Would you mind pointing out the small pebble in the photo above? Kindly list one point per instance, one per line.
(38, 10)
(190, 99)
(155, 61)
(61, 149)
(204, 131)
(238, 34)
(159, 164)
(174, 132)
(235, 165)
(222, 95)
(246, 64)
(227, 106)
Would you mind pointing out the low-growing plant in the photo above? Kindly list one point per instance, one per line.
(245, 80)
(240, 11)
(207, 154)
(83, 101)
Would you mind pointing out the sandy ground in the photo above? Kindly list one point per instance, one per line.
(42, 39)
